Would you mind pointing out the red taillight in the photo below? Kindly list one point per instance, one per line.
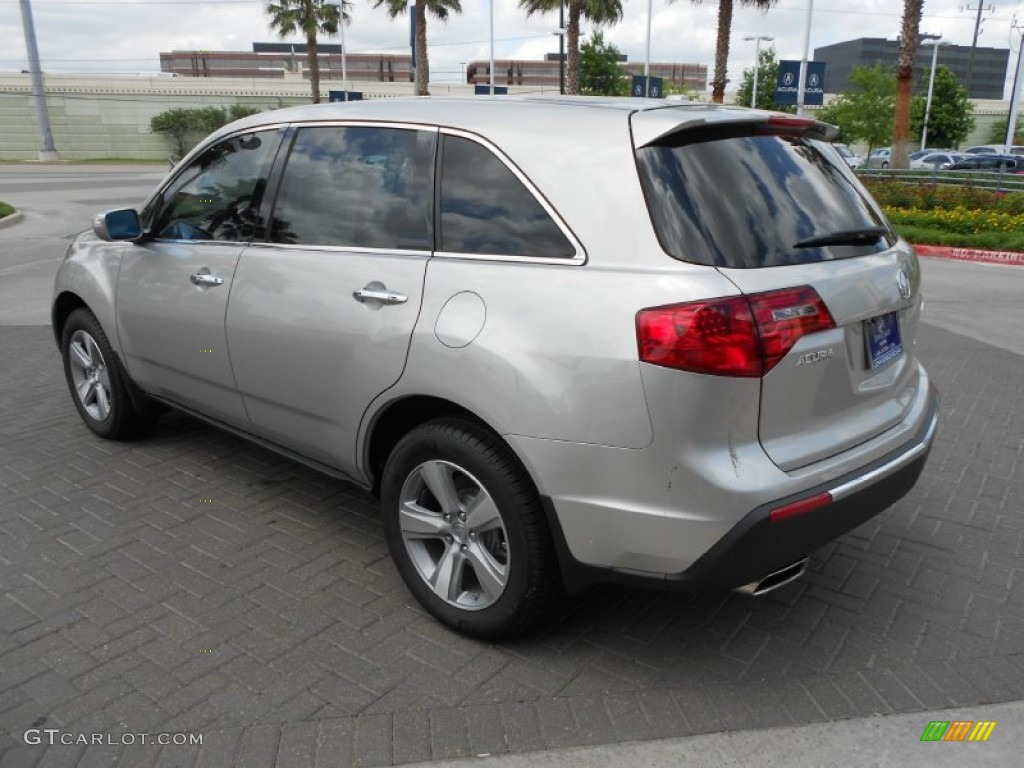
(799, 507)
(785, 125)
(784, 316)
(735, 336)
(716, 336)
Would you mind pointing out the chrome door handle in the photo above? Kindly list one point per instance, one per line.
(200, 278)
(382, 295)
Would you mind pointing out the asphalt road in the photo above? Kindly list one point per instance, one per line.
(190, 581)
(57, 202)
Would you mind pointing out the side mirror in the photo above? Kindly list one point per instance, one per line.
(122, 224)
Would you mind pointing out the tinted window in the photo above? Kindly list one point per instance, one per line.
(747, 201)
(218, 196)
(356, 187)
(485, 209)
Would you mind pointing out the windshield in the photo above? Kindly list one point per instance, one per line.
(748, 201)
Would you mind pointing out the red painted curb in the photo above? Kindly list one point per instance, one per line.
(971, 254)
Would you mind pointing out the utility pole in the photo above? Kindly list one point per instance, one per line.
(47, 151)
(974, 44)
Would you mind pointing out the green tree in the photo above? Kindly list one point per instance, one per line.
(596, 11)
(725, 8)
(600, 71)
(952, 114)
(176, 123)
(185, 124)
(238, 111)
(864, 113)
(997, 132)
(909, 31)
(289, 17)
(767, 78)
(440, 10)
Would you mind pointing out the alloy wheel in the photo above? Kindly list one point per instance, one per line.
(454, 534)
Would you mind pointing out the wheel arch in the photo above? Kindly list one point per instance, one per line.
(400, 416)
(65, 303)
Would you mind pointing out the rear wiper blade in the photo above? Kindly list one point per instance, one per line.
(864, 236)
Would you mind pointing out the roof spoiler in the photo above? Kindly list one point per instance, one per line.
(742, 122)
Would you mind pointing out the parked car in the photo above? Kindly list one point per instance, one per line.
(990, 163)
(545, 333)
(851, 158)
(879, 158)
(994, 149)
(935, 160)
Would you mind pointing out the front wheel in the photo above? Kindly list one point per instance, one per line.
(99, 385)
(467, 532)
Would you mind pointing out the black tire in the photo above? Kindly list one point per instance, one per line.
(885, 164)
(106, 399)
(512, 543)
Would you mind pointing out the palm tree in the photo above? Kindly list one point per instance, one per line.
(722, 45)
(596, 11)
(289, 17)
(439, 9)
(905, 80)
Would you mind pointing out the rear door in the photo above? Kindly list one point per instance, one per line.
(774, 208)
(321, 314)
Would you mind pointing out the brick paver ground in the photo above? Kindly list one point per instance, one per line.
(189, 582)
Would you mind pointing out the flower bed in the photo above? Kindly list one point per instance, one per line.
(960, 216)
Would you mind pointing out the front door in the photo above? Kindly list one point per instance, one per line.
(173, 286)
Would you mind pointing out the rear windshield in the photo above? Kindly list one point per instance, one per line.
(747, 201)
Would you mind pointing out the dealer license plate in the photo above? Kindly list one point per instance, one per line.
(883, 337)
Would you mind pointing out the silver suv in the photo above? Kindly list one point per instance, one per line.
(565, 341)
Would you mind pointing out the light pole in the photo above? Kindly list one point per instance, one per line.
(1011, 123)
(341, 29)
(561, 55)
(801, 89)
(757, 63)
(47, 150)
(934, 40)
(647, 53)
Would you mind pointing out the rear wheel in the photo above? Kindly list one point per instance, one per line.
(467, 532)
(99, 385)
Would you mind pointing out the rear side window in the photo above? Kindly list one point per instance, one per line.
(486, 209)
(356, 187)
(747, 201)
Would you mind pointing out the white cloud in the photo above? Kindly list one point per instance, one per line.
(119, 36)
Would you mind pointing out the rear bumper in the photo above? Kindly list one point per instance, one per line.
(757, 546)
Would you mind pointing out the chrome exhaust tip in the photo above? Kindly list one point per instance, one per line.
(774, 580)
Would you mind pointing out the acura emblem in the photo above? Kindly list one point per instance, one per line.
(903, 283)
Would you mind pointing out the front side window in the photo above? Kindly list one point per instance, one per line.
(757, 201)
(218, 196)
(356, 187)
(486, 209)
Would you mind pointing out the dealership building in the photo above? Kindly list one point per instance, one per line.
(988, 74)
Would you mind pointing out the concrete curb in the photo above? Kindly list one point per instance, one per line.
(971, 254)
(10, 221)
(893, 741)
